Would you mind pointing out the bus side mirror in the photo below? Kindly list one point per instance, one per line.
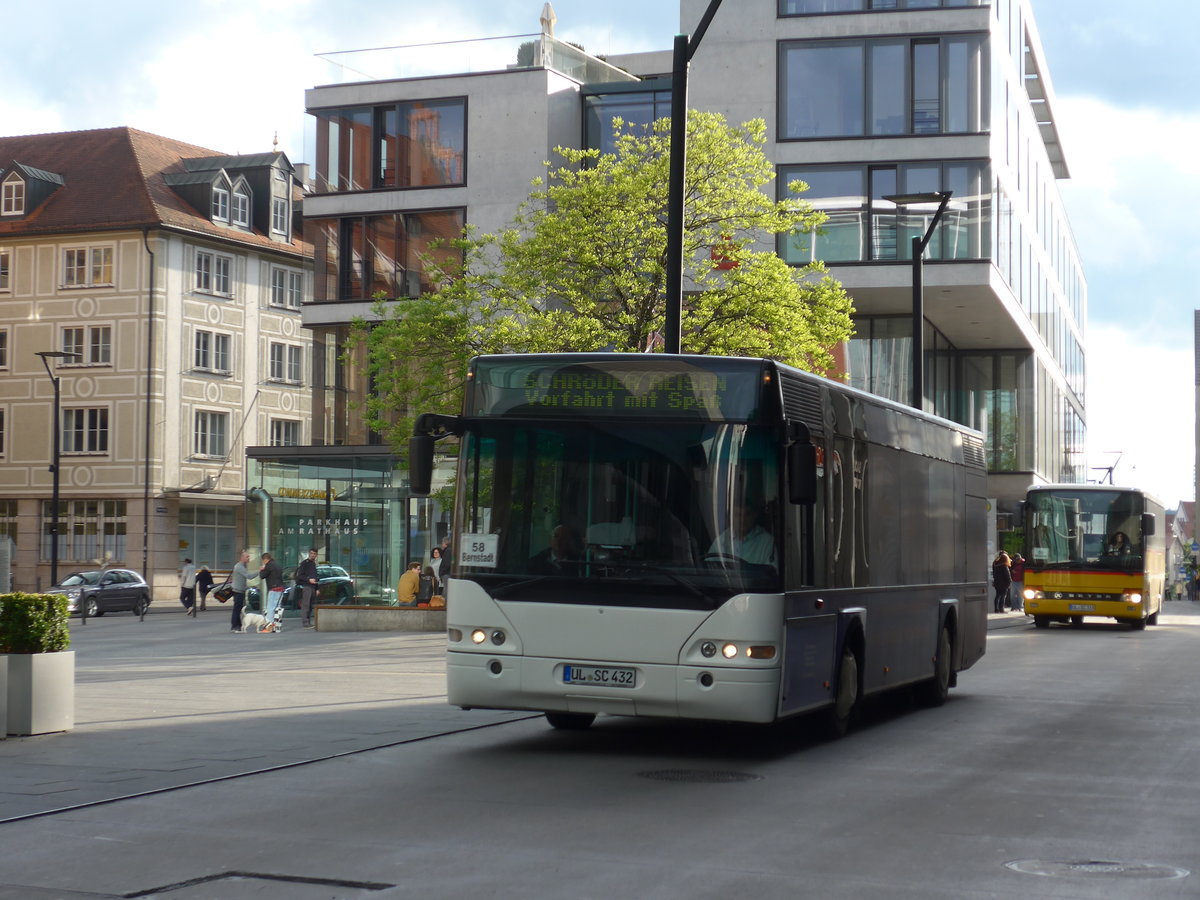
(420, 464)
(802, 473)
(1147, 524)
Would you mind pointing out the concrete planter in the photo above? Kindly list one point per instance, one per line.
(41, 692)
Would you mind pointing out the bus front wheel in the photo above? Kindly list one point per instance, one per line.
(1041, 621)
(838, 717)
(570, 721)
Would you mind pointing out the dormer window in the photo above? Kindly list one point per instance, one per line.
(12, 195)
(220, 203)
(241, 206)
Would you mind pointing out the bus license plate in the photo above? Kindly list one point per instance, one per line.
(1081, 607)
(598, 675)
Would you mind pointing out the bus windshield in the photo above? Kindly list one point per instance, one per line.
(671, 514)
(1097, 530)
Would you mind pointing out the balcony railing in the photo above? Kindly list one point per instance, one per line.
(517, 51)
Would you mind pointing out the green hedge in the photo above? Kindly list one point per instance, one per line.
(34, 623)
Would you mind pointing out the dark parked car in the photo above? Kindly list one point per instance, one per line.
(105, 590)
(335, 587)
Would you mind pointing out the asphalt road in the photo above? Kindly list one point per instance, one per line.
(307, 765)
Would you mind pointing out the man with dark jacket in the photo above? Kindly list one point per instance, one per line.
(306, 585)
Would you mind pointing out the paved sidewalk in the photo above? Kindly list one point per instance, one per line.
(173, 700)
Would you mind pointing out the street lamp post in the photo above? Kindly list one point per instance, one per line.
(683, 49)
(941, 198)
(46, 356)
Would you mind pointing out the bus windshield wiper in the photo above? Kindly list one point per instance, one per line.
(660, 570)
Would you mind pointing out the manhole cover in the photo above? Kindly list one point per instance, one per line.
(699, 776)
(1095, 868)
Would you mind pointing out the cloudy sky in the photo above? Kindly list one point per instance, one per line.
(230, 75)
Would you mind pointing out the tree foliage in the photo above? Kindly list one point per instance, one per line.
(582, 267)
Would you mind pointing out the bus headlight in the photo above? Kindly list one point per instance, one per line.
(478, 636)
(1031, 594)
(729, 651)
(1133, 597)
(708, 648)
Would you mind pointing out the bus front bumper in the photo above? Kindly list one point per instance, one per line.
(538, 684)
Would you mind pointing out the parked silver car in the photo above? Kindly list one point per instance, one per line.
(104, 590)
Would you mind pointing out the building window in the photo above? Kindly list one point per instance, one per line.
(210, 433)
(212, 352)
(420, 143)
(287, 288)
(85, 430)
(208, 534)
(280, 215)
(819, 7)
(87, 266)
(884, 86)
(220, 204)
(358, 258)
(12, 195)
(2, 430)
(3, 348)
(295, 289)
(88, 530)
(213, 273)
(285, 363)
(8, 520)
(241, 207)
(285, 433)
(91, 345)
(861, 225)
(5, 270)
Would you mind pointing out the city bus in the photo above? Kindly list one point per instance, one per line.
(702, 537)
(1093, 550)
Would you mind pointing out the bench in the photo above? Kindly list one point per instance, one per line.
(378, 618)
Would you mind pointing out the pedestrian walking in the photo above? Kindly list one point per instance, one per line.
(204, 583)
(1016, 598)
(237, 580)
(306, 586)
(1001, 580)
(187, 587)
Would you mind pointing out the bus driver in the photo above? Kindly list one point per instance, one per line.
(745, 539)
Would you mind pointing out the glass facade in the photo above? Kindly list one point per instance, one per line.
(361, 257)
(862, 225)
(355, 509)
(410, 144)
(882, 86)
(819, 7)
(634, 108)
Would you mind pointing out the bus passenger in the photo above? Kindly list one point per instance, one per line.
(745, 539)
(562, 557)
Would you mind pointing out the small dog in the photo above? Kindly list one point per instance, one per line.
(252, 621)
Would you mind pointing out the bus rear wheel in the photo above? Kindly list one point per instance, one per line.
(935, 691)
(570, 721)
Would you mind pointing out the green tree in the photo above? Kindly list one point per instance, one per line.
(582, 267)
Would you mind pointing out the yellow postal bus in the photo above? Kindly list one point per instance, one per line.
(1093, 550)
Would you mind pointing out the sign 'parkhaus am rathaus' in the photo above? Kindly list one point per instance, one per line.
(333, 527)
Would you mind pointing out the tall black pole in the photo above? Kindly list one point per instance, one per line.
(684, 48)
(673, 321)
(54, 467)
(918, 325)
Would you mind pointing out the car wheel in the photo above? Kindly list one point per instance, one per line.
(141, 605)
(93, 608)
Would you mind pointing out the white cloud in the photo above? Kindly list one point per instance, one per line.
(1141, 405)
